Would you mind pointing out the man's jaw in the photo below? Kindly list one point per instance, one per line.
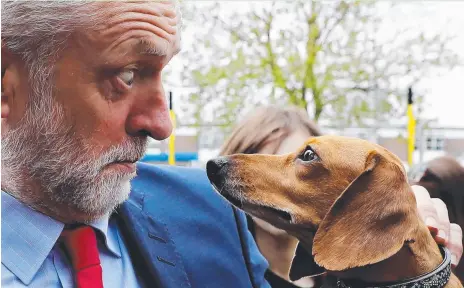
(76, 189)
(95, 200)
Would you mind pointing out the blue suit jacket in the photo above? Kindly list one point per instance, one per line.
(180, 233)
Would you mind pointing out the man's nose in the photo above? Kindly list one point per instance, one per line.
(150, 116)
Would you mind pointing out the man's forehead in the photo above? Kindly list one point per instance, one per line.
(164, 8)
(143, 27)
(144, 46)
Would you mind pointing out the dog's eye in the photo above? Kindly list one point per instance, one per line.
(308, 155)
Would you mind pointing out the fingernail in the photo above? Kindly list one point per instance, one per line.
(454, 259)
(431, 222)
(442, 235)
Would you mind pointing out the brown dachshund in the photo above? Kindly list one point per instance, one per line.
(347, 200)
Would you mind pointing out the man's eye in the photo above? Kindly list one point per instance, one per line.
(127, 77)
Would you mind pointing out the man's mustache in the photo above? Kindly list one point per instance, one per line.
(131, 150)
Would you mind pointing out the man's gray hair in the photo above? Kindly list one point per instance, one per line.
(38, 30)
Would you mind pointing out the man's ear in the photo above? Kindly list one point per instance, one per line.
(370, 221)
(5, 106)
(10, 80)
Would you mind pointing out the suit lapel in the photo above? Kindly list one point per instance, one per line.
(151, 246)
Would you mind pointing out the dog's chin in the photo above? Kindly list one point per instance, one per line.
(228, 196)
(234, 201)
(277, 217)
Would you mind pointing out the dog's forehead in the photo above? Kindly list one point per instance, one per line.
(342, 147)
(340, 143)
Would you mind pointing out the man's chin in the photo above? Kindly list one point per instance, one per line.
(104, 202)
(123, 194)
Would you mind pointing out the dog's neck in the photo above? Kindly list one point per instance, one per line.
(414, 259)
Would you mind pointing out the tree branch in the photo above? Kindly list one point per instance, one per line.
(276, 71)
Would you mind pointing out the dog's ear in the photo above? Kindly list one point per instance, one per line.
(370, 221)
(303, 264)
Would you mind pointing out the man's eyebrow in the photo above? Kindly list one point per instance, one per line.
(151, 48)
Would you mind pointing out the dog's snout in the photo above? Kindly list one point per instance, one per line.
(216, 169)
(215, 166)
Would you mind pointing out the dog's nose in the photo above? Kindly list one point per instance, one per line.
(215, 169)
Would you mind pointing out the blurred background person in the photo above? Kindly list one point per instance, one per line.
(273, 130)
(444, 179)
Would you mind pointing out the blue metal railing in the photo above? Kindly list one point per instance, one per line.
(163, 157)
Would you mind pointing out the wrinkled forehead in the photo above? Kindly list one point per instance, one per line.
(155, 25)
(164, 7)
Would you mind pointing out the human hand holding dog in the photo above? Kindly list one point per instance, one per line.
(434, 213)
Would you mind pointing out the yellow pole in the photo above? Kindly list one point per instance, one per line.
(172, 138)
(411, 129)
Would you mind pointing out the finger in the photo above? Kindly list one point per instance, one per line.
(443, 219)
(421, 194)
(426, 208)
(455, 244)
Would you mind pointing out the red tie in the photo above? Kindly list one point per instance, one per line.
(81, 245)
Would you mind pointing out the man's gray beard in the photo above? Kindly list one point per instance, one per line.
(45, 149)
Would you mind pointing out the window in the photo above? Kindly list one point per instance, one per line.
(435, 143)
(432, 143)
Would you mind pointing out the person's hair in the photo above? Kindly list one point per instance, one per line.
(267, 125)
(37, 31)
(444, 179)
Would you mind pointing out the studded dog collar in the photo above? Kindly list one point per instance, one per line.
(435, 279)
